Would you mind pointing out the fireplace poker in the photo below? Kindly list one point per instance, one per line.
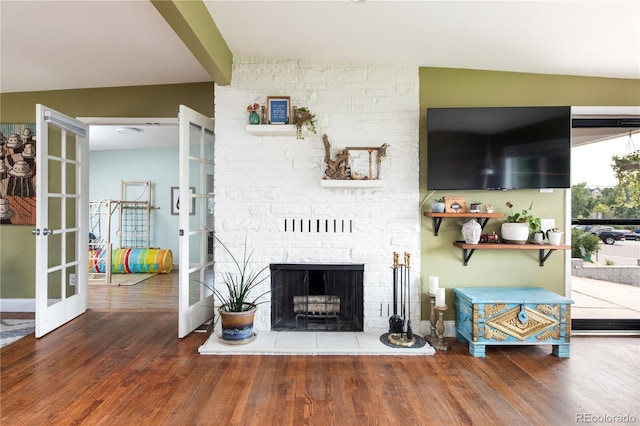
(396, 322)
(407, 262)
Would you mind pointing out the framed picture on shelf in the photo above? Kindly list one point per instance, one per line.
(455, 205)
(175, 201)
(278, 109)
(362, 163)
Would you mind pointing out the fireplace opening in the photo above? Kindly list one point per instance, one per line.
(313, 297)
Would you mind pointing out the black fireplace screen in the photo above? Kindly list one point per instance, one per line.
(311, 297)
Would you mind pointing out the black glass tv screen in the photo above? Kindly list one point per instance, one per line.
(498, 148)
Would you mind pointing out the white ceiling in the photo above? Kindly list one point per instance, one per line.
(49, 45)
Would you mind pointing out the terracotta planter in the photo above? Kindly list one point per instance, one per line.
(237, 327)
(515, 232)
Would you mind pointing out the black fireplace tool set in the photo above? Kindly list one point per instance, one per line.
(400, 329)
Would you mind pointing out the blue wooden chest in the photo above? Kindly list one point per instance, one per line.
(512, 316)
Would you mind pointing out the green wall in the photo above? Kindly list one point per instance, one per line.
(17, 245)
(446, 87)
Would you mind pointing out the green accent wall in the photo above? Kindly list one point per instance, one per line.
(447, 87)
(17, 245)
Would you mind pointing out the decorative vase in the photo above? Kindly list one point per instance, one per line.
(254, 118)
(554, 237)
(264, 115)
(237, 327)
(515, 232)
(537, 237)
(471, 232)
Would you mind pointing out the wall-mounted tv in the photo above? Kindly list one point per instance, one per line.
(498, 148)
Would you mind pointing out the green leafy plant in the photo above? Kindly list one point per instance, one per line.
(583, 244)
(303, 117)
(535, 223)
(627, 171)
(239, 283)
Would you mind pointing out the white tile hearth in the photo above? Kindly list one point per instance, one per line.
(310, 343)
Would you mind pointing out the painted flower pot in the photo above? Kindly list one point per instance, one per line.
(515, 232)
(237, 327)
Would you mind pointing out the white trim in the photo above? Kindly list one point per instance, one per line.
(17, 305)
(128, 120)
(579, 111)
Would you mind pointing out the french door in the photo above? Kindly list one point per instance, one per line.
(62, 215)
(195, 220)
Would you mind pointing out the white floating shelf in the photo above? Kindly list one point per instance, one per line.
(328, 183)
(272, 129)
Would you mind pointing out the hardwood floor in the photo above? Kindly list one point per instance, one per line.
(127, 367)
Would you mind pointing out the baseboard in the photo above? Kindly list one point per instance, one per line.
(17, 305)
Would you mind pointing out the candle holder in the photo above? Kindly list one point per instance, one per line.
(440, 344)
(432, 320)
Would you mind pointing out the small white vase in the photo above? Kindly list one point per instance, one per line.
(515, 232)
(471, 232)
(554, 237)
(537, 237)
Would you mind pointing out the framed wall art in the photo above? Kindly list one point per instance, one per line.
(278, 109)
(17, 174)
(175, 201)
(364, 162)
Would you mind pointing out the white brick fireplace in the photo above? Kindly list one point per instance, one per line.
(267, 188)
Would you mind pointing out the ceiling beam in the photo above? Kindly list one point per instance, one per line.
(192, 22)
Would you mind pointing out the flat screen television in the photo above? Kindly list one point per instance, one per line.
(498, 148)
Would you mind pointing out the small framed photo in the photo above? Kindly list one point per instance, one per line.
(455, 205)
(175, 201)
(278, 109)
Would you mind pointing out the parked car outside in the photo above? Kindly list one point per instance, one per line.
(630, 235)
(611, 236)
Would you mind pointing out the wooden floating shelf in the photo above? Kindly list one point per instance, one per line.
(272, 129)
(482, 218)
(348, 183)
(469, 249)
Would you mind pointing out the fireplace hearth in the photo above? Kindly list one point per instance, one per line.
(317, 297)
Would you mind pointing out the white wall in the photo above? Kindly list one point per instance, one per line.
(263, 181)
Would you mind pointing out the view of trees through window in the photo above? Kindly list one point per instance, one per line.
(605, 189)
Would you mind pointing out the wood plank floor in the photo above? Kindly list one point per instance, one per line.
(125, 366)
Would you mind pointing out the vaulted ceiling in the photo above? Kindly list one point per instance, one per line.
(51, 45)
(47, 45)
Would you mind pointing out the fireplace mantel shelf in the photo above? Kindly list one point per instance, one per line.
(348, 183)
(272, 129)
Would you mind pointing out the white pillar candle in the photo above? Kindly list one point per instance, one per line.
(433, 284)
(440, 297)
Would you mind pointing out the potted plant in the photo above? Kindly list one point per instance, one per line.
(474, 207)
(584, 244)
(254, 117)
(518, 225)
(303, 117)
(437, 205)
(554, 235)
(237, 303)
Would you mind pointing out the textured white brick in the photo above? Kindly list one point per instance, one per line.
(265, 182)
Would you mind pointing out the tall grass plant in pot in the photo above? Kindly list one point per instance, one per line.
(236, 295)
